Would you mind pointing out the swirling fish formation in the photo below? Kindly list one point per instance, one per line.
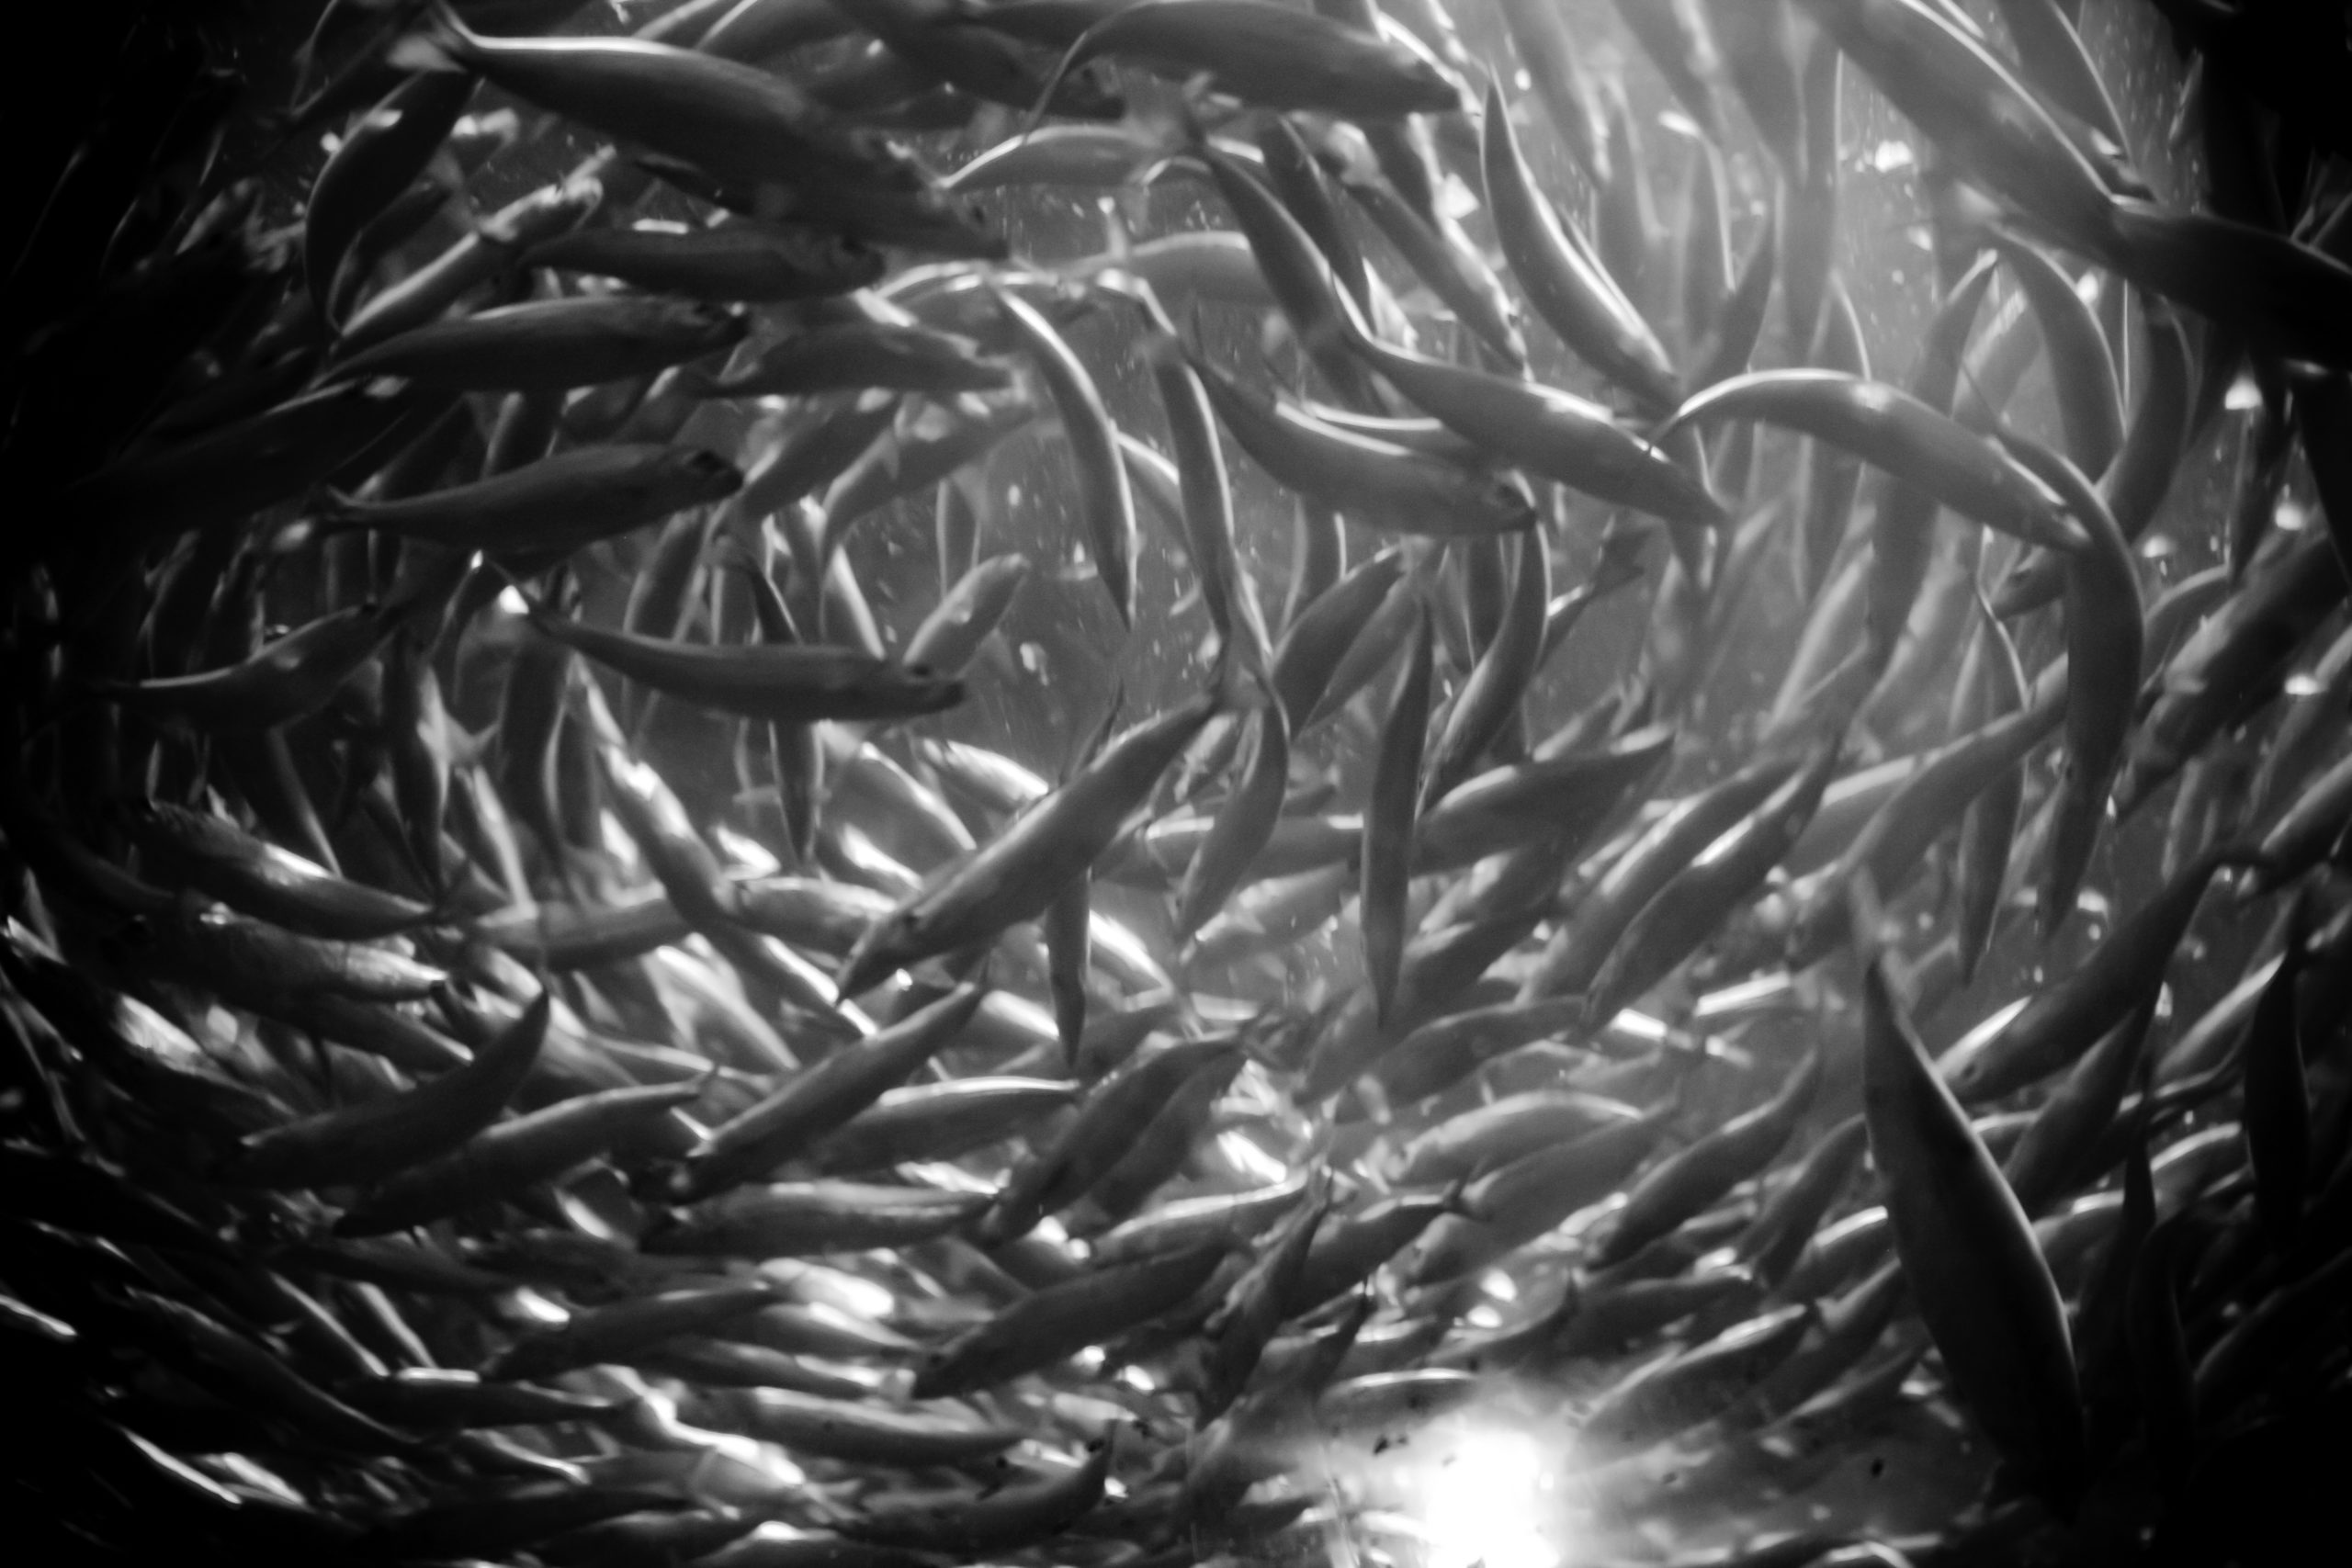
(549, 1022)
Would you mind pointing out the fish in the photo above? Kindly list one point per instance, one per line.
(1672, 1396)
(2054, 1025)
(809, 1219)
(1947, 81)
(846, 355)
(1893, 431)
(2103, 656)
(1518, 1201)
(1015, 875)
(1565, 282)
(730, 120)
(561, 502)
(818, 1102)
(288, 680)
(369, 1142)
(1005, 1520)
(1445, 260)
(476, 258)
(1557, 75)
(1385, 862)
(383, 156)
(256, 877)
(1981, 1282)
(591, 974)
(2090, 403)
(738, 262)
(1073, 156)
(1062, 1319)
(550, 345)
(791, 684)
(982, 61)
(1687, 1181)
(514, 1153)
(1110, 506)
(1267, 55)
(1554, 434)
(1573, 956)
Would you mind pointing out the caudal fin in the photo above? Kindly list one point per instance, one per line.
(442, 43)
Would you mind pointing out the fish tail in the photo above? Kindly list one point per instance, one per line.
(1233, 685)
(535, 607)
(336, 511)
(731, 551)
(1190, 131)
(1118, 235)
(1162, 348)
(1453, 1201)
(1072, 59)
(443, 43)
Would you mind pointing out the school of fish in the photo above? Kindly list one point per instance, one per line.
(869, 784)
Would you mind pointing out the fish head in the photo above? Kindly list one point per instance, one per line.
(705, 475)
(719, 326)
(1430, 89)
(1504, 498)
(1090, 92)
(931, 689)
(889, 944)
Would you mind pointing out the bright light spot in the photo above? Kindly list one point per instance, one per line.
(511, 600)
(748, 853)
(1248, 1157)
(852, 1298)
(2292, 516)
(533, 1307)
(2244, 394)
(1889, 156)
(1481, 1505)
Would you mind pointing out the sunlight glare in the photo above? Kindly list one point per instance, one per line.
(1483, 1503)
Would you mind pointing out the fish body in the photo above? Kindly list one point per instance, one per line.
(732, 121)
(550, 345)
(789, 683)
(846, 355)
(812, 1218)
(1548, 432)
(738, 262)
(1015, 875)
(1977, 1273)
(1060, 1320)
(1271, 56)
(559, 503)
